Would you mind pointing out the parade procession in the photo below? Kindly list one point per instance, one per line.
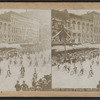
(75, 50)
(49, 50)
(26, 66)
(25, 53)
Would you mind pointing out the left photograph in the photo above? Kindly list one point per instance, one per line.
(25, 50)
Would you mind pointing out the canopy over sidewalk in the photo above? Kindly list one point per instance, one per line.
(62, 48)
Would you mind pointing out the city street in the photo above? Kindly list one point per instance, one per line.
(64, 79)
(8, 83)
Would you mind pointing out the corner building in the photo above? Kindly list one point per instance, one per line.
(15, 28)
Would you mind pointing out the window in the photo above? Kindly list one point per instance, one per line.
(87, 27)
(78, 24)
(96, 30)
(5, 36)
(0, 25)
(91, 27)
(74, 34)
(4, 26)
(83, 26)
(73, 23)
(56, 25)
(68, 24)
(12, 29)
(9, 27)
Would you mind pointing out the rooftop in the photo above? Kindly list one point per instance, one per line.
(89, 15)
(7, 15)
(94, 12)
(74, 15)
(60, 13)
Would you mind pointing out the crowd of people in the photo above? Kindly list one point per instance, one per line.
(42, 85)
(19, 60)
(73, 61)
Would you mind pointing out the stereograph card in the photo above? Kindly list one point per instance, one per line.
(49, 49)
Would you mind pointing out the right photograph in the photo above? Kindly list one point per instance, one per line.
(75, 49)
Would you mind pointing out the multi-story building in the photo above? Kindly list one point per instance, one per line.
(81, 29)
(44, 17)
(95, 16)
(45, 36)
(5, 31)
(76, 28)
(60, 24)
(15, 28)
